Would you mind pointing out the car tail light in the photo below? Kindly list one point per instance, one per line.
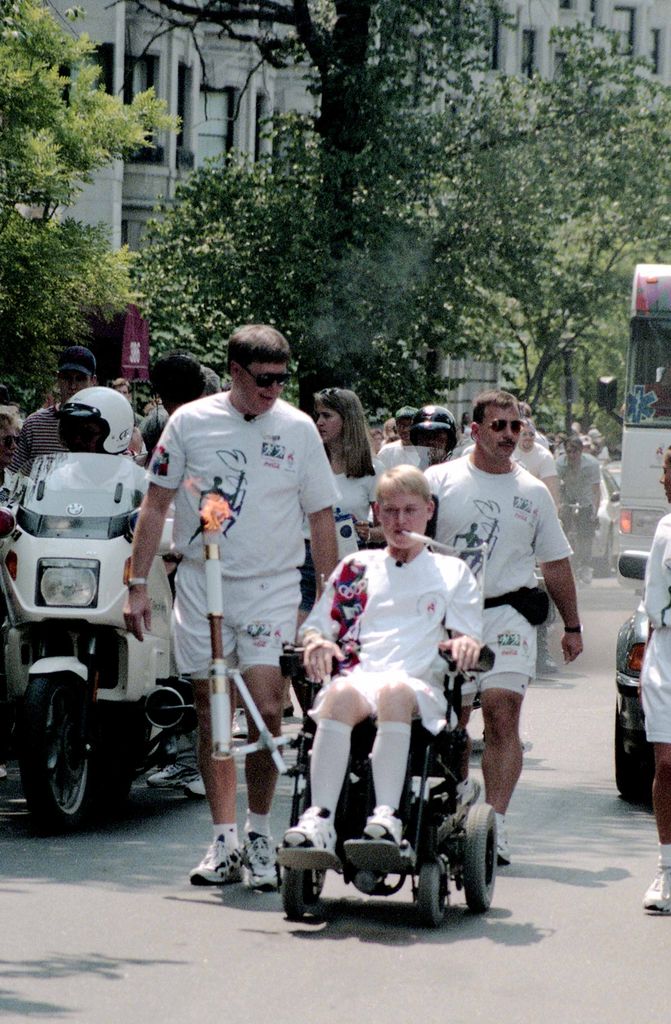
(7, 522)
(635, 658)
(625, 520)
(12, 563)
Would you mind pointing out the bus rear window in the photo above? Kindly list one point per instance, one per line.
(648, 394)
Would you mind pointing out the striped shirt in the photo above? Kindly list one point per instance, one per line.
(39, 436)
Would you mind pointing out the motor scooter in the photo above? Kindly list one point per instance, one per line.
(76, 681)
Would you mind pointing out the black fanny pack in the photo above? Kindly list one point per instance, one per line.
(531, 602)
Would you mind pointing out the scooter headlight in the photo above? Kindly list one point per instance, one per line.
(68, 582)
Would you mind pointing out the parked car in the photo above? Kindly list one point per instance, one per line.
(634, 760)
(604, 546)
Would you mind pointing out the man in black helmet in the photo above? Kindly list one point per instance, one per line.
(434, 434)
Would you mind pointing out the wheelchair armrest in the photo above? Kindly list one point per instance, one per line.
(485, 661)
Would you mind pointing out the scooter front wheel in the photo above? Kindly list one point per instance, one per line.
(53, 759)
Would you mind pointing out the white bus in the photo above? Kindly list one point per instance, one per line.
(646, 415)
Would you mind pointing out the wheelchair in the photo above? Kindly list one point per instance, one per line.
(444, 841)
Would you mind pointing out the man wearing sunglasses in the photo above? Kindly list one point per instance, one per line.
(264, 460)
(487, 498)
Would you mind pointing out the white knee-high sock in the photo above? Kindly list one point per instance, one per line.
(328, 762)
(389, 761)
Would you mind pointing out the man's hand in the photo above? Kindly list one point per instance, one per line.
(571, 645)
(464, 650)
(137, 611)
(318, 657)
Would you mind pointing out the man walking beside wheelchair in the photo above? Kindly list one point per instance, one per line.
(486, 497)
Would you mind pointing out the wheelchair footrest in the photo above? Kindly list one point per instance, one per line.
(307, 858)
(380, 855)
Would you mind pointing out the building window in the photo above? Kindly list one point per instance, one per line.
(559, 61)
(624, 23)
(260, 126)
(140, 74)
(495, 43)
(656, 50)
(104, 58)
(594, 11)
(217, 122)
(566, 5)
(183, 100)
(528, 61)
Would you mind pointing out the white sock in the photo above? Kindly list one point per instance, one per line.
(328, 762)
(229, 833)
(257, 823)
(665, 855)
(389, 761)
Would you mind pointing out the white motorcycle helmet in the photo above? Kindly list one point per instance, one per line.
(101, 405)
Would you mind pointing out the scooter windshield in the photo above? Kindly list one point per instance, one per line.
(80, 494)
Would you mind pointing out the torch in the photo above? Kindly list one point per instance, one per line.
(214, 512)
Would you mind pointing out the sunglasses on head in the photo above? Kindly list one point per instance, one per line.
(329, 392)
(500, 425)
(266, 380)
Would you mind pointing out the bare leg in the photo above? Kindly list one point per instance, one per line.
(266, 685)
(219, 776)
(502, 756)
(661, 791)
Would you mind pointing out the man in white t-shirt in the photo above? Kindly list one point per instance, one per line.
(539, 461)
(267, 463)
(656, 696)
(401, 452)
(486, 497)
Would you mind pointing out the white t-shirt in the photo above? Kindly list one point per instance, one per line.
(271, 470)
(657, 598)
(656, 670)
(387, 616)
(513, 512)
(539, 461)
(356, 493)
(397, 454)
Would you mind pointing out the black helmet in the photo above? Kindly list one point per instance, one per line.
(431, 418)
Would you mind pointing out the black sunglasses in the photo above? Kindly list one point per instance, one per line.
(266, 380)
(498, 426)
(329, 392)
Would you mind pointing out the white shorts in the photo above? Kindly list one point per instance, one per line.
(259, 616)
(656, 687)
(513, 641)
(430, 701)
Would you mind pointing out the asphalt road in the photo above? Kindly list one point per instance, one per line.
(103, 927)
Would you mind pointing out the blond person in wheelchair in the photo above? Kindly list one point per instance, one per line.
(383, 618)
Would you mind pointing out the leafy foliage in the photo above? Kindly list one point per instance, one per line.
(58, 127)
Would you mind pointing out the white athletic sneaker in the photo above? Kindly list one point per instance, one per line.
(239, 725)
(195, 788)
(313, 829)
(219, 866)
(383, 824)
(260, 862)
(658, 896)
(468, 792)
(173, 776)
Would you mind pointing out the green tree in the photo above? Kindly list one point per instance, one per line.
(568, 184)
(58, 126)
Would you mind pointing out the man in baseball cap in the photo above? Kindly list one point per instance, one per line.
(40, 432)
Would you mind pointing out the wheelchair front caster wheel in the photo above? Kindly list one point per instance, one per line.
(300, 892)
(431, 894)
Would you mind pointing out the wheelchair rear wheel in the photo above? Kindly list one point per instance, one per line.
(300, 892)
(480, 858)
(431, 894)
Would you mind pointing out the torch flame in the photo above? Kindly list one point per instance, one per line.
(214, 512)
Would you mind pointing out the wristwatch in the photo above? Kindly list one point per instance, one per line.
(137, 581)
(573, 629)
